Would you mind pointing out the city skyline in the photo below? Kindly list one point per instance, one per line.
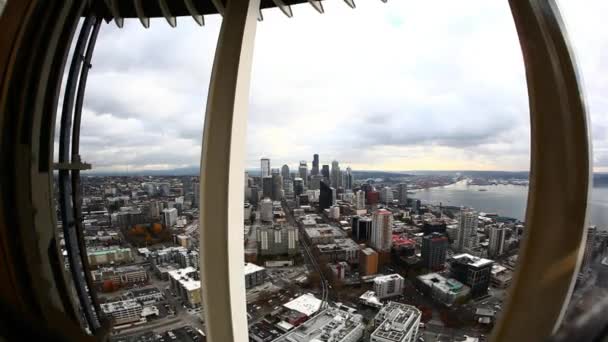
(416, 110)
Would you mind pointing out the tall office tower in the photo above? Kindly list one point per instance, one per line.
(285, 172)
(315, 182)
(386, 195)
(496, 246)
(266, 210)
(197, 193)
(265, 167)
(288, 188)
(303, 171)
(382, 230)
(586, 264)
(277, 185)
(360, 200)
(434, 248)
(348, 178)
(298, 186)
(325, 197)
(255, 196)
(169, 217)
(325, 172)
(361, 228)
(267, 186)
(402, 193)
(315, 165)
(467, 230)
(335, 174)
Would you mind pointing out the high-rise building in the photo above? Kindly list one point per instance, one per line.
(348, 178)
(169, 217)
(325, 197)
(277, 240)
(396, 322)
(496, 246)
(382, 230)
(361, 228)
(267, 186)
(472, 271)
(254, 196)
(335, 174)
(325, 172)
(434, 248)
(266, 210)
(360, 200)
(467, 230)
(388, 285)
(197, 193)
(303, 171)
(315, 182)
(402, 193)
(285, 172)
(587, 256)
(298, 186)
(386, 195)
(288, 188)
(265, 167)
(277, 185)
(315, 165)
(368, 262)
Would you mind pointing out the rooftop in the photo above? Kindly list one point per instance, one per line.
(388, 277)
(395, 320)
(251, 268)
(185, 278)
(472, 260)
(112, 307)
(329, 325)
(306, 304)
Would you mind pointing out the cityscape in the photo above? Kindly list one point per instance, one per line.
(331, 254)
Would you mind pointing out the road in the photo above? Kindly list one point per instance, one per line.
(308, 255)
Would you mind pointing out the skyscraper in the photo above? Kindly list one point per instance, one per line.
(325, 196)
(298, 186)
(267, 186)
(361, 227)
(335, 174)
(496, 246)
(303, 171)
(285, 172)
(360, 199)
(277, 185)
(315, 165)
(402, 193)
(325, 172)
(348, 183)
(433, 251)
(467, 230)
(382, 230)
(386, 195)
(265, 167)
(588, 248)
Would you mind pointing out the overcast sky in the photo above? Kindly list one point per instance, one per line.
(407, 85)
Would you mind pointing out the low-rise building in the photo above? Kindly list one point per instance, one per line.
(120, 276)
(388, 286)
(369, 298)
(109, 256)
(322, 234)
(340, 250)
(396, 322)
(124, 311)
(329, 325)
(307, 304)
(368, 262)
(186, 284)
(444, 290)
(254, 275)
(501, 277)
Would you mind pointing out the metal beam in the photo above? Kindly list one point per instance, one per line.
(139, 9)
(196, 15)
(171, 19)
(221, 178)
(318, 5)
(554, 239)
(286, 9)
(65, 190)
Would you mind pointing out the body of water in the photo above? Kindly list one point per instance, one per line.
(505, 200)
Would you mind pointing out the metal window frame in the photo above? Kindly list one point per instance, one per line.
(34, 286)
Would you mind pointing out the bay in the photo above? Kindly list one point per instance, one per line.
(505, 200)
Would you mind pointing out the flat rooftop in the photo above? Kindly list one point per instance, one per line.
(472, 260)
(329, 322)
(122, 305)
(252, 268)
(183, 276)
(306, 304)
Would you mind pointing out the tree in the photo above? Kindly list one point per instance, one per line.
(108, 286)
(157, 228)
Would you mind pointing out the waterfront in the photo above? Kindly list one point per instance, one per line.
(506, 200)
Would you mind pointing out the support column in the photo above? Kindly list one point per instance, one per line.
(221, 178)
